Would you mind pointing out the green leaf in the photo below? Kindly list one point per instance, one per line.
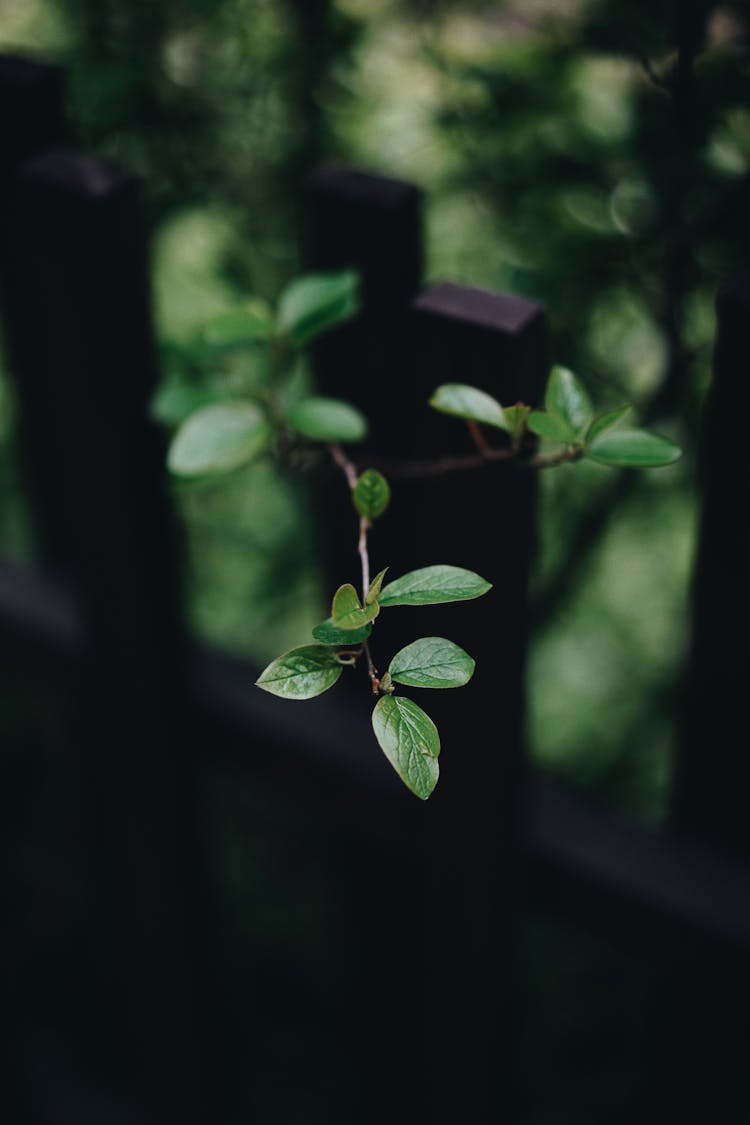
(632, 449)
(566, 397)
(517, 418)
(218, 438)
(410, 741)
(373, 593)
(327, 419)
(346, 611)
(301, 674)
(550, 426)
(175, 402)
(327, 634)
(312, 304)
(237, 329)
(371, 494)
(434, 584)
(432, 662)
(605, 422)
(463, 401)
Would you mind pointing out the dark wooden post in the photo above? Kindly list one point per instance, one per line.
(469, 1009)
(371, 223)
(451, 1014)
(713, 768)
(32, 120)
(81, 343)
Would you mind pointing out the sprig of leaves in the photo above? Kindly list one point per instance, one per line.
(568, 419)
(219, 433)
(225, 435)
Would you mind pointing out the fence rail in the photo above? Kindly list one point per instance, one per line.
(457, 873)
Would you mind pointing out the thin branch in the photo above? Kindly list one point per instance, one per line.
(439, 466)
(364, 527)
(552, 460)
(348, 468)
(372, 671)
(478, 438)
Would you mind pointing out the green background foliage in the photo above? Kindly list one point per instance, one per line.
(556, 164)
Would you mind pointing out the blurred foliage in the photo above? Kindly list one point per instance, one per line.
(593, 154)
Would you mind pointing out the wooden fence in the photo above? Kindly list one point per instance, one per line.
(423, 1010)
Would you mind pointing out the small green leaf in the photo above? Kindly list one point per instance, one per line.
(312, 304)
(373, 593)
(517, 418)
(432, 662)
(567, 398)
(175, 402)
(237, 329)
(218, 438)
(633, 449)
(327, 419)
(371, 494)
(327, 634)
(301, 674)
(434, 584)
(551, 426)
(410, 741)
(463, 401)
(386, 684)
(346, 611)
(605, 422)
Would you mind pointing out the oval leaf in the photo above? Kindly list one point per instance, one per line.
(433, 585)
(301, 674)
(346, 611)
(327, 634)
(410, 741)
(463, 401)
(633, 449)
(371, 494)
(566, 397)
(240, 327)
(550, 426)
(312, 304)
(432, 662)
(175, 402)
(605, 422)
(218, 438)
(327, 419)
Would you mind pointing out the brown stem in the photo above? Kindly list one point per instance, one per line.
(372, 671)
(364, 527)
(440, 466)
(347, 467)
(550, 460)
(478, 438)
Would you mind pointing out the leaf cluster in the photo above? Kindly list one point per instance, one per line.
(405, 732)
(220, 436)
(223, 435)
(568, 420)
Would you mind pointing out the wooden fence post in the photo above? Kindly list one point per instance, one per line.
(32, 121)
(470, 1006)
(451, 1029)
(713, 768)
(82, 349)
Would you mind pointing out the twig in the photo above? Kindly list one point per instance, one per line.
(551, 460)
(347, 467)
(372, 671)
(440, 466)
(364, 527)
